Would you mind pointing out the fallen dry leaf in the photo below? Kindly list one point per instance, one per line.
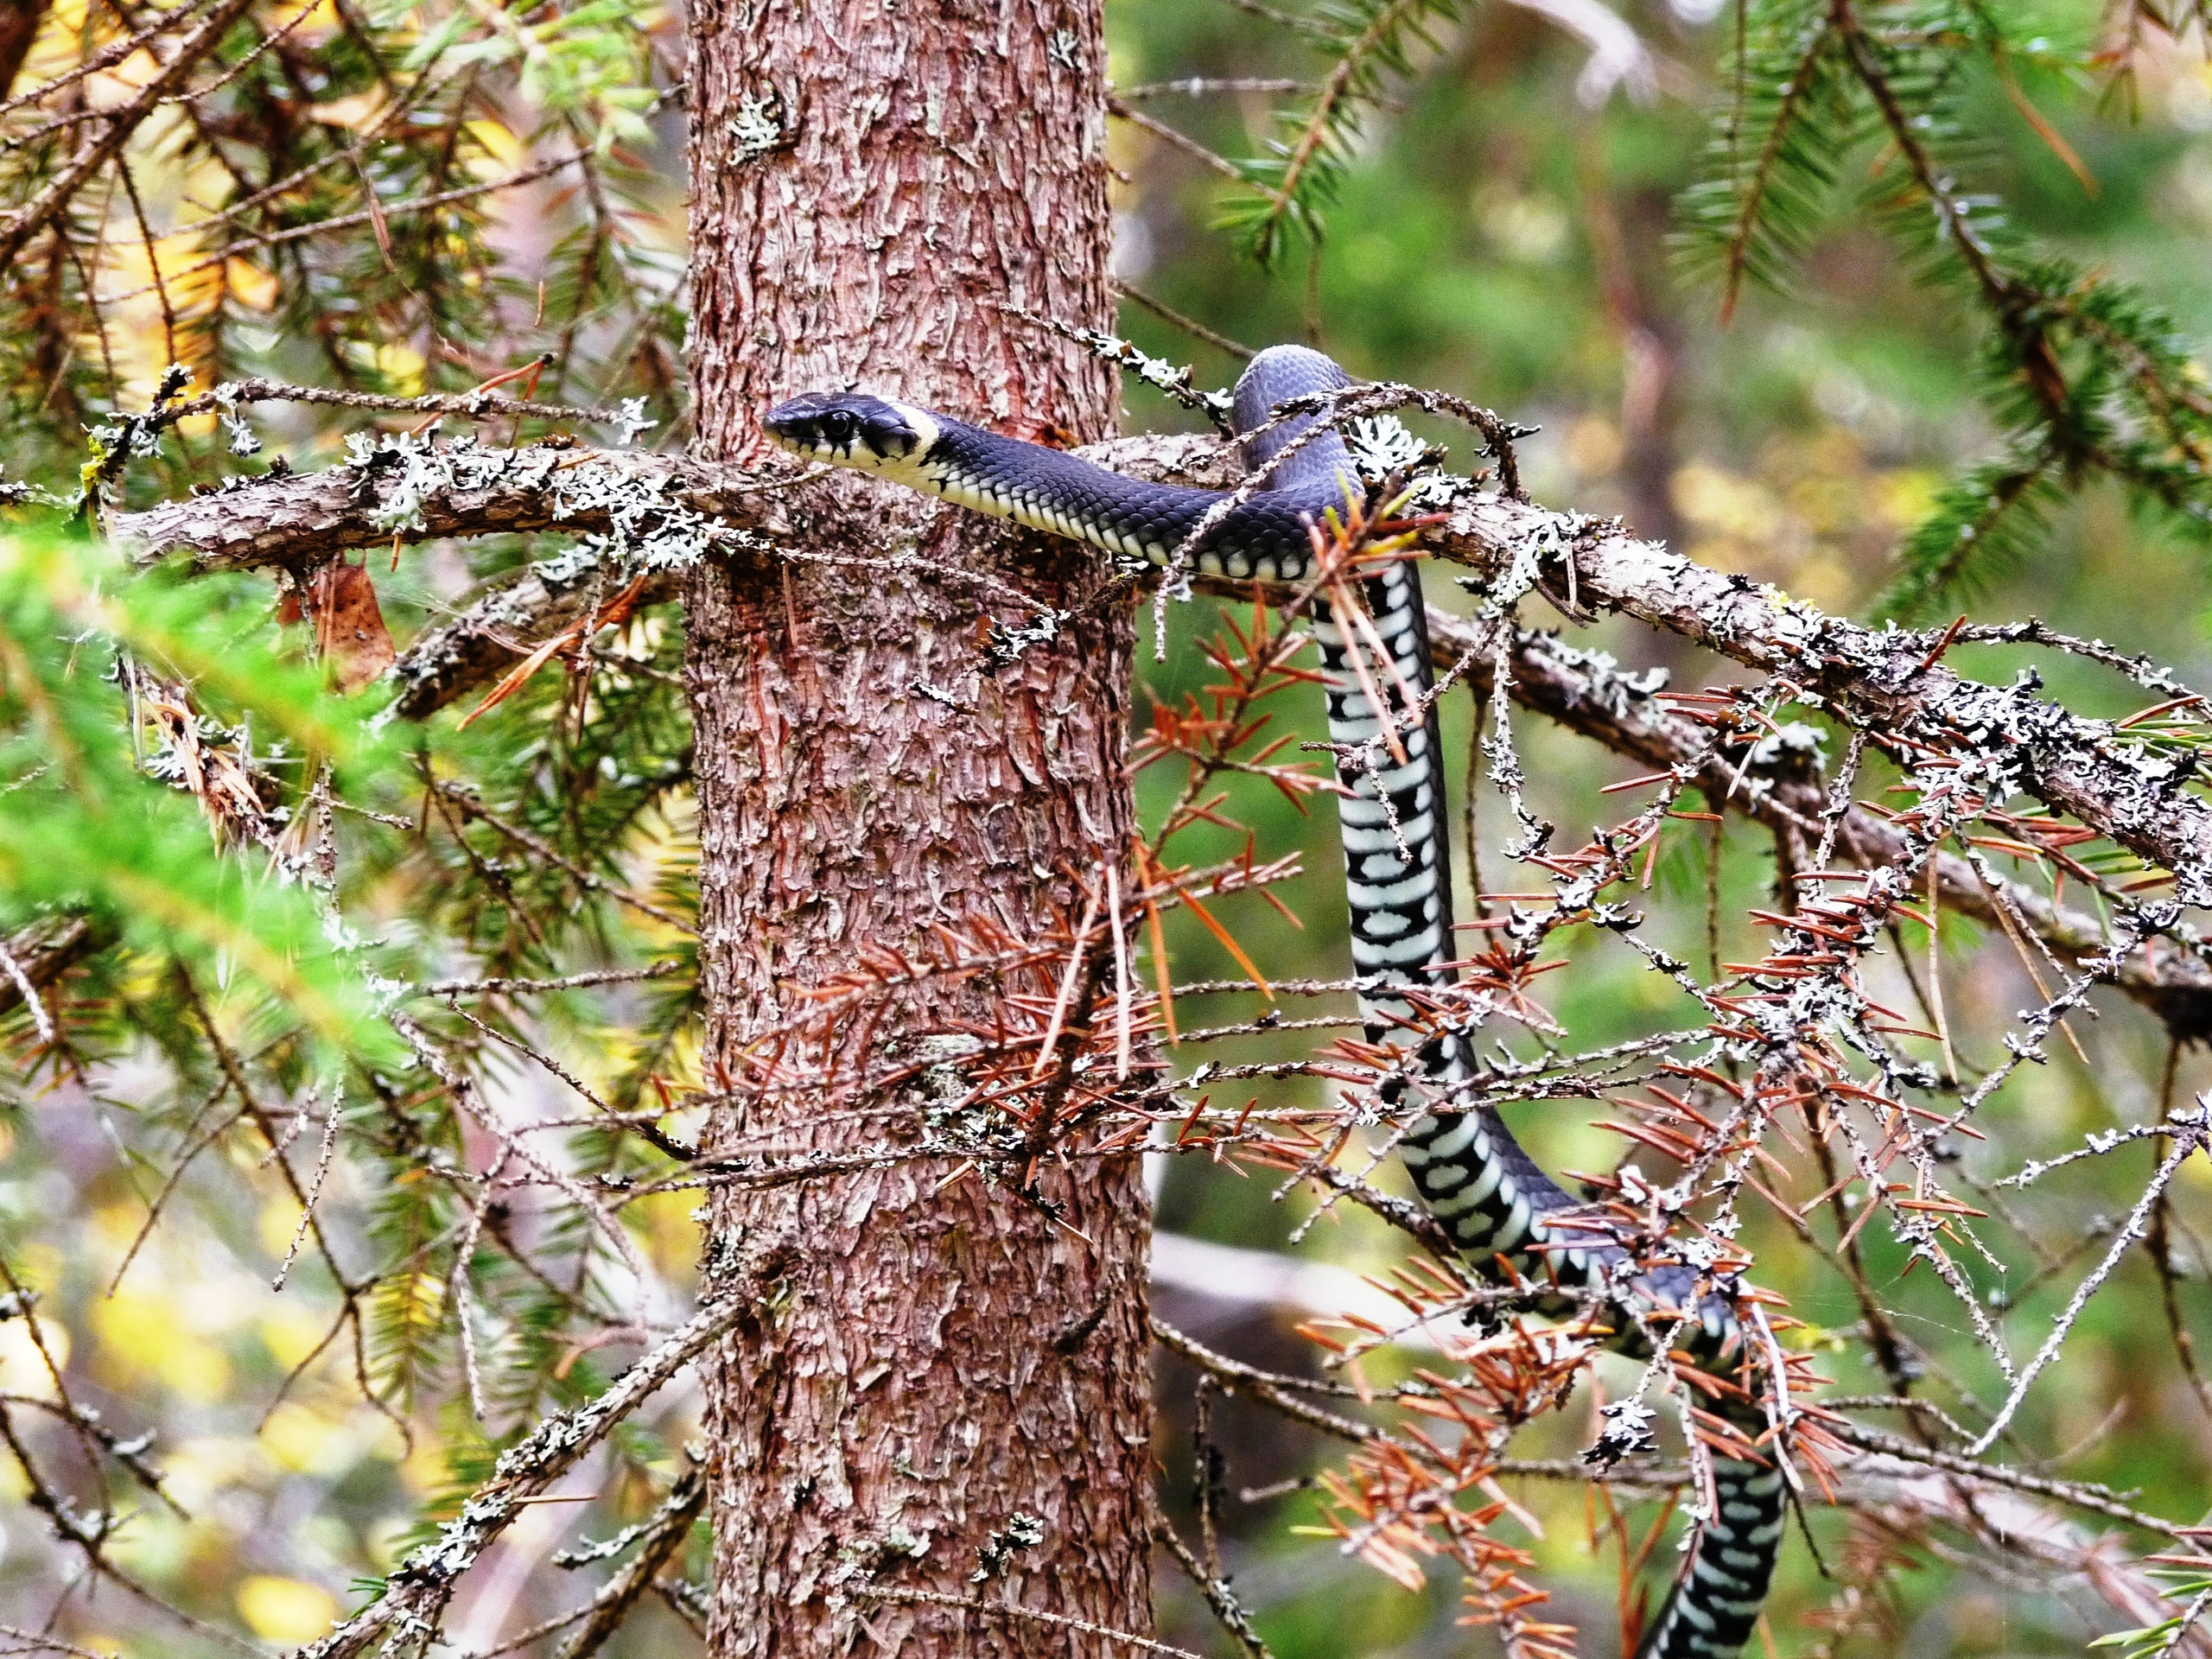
(349, 631)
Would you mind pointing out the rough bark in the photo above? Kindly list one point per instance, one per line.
(909, 1398)
(19, 22)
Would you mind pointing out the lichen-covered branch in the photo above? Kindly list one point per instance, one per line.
(407, 1611)
(501, 628)
(1881, 681)
(656, 1539)
(418, 490)
(1587, 694)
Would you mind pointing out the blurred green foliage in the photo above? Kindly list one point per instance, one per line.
(85, 832)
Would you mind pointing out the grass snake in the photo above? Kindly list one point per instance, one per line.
(1511, 1221)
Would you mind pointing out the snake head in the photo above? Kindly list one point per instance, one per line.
(850, 429)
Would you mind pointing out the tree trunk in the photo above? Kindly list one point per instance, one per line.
(870, 183)
(19, 22)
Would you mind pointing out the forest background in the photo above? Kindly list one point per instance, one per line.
(1512, 217)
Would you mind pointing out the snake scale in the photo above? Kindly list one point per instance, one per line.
(1504, 1213)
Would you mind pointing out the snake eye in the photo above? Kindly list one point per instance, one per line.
(837, 426)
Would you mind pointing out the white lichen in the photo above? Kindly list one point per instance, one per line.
(757, 128)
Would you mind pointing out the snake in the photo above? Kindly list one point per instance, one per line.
(1512, 1224)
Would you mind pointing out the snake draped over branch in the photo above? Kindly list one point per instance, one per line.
(1512, 1223)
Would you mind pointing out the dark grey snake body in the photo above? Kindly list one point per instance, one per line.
(1473, 1176)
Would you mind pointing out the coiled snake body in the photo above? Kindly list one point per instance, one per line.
(1474, 1177)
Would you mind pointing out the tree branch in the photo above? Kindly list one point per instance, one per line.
(46, 949)
(660, 1538)
(18, 227)
(492, 635)
(1882, 683)
(1588, 697)
(417, 1593)
(298, 520)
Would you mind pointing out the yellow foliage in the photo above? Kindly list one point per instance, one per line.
(671, 1236)
(328, 1438)
(21, 1370)
(403, 368)
(143, 1339)
(1594, 446)
(117, 1225)
(287, 1611)
(355, 114)
(121, 82)
(308, 1442)
(1719, 502)
(501, 148)
(38, 1262)
(142, 336)
(250, 286)
(1812, 516)
(279, 1220)
(425, 1469)
(1905, 495)
(2194, 1174)
(196, 1470)
(291, 1333)
(56, 45)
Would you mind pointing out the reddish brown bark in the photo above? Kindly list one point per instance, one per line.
(907, 1397)
(19, 22)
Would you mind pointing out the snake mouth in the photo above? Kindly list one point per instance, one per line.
(851, 428)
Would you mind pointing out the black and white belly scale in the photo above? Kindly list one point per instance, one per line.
(1469, 1171)
(1499, 1207)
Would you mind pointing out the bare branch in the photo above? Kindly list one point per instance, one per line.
(500, 629)
(658, 1539)
(417, 1590)
(1590, 696)
(27, 221)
